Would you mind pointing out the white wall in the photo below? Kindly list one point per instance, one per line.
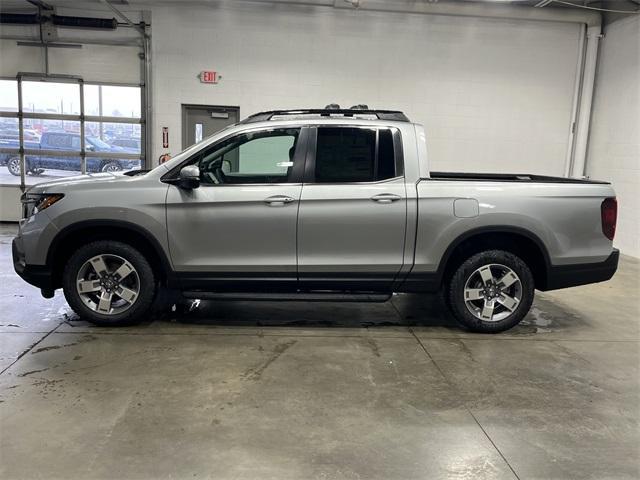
(614, 144)
(494, 95)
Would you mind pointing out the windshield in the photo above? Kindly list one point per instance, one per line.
(96, 142)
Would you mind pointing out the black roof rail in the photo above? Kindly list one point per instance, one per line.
(393, 115)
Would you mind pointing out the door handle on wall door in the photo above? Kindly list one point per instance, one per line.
(385, 198)
(278, 200)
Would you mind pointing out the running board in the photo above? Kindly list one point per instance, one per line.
(291, 297)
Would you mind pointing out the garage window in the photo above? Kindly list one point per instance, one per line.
(69, 127)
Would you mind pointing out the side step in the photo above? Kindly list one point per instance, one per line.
(291, 297)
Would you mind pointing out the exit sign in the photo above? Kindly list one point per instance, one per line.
(209, 76)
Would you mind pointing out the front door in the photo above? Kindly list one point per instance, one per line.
(353, 212)
(199, 121)
(237, 231)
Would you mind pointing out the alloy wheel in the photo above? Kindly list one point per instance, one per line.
(108, 284)
(14, 166)
(492, 292)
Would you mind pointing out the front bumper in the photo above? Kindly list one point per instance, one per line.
(37, 275)
(563, 276)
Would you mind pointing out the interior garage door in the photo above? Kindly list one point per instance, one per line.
(85, 115)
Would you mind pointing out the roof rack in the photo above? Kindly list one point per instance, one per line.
(393, 115)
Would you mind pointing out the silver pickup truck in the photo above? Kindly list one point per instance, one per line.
(319, 204)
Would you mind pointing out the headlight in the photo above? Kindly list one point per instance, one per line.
(33, 203)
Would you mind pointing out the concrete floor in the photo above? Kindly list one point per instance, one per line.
(325, 390)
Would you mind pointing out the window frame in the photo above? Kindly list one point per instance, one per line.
(299, 157)
(310, 165)
(83, 153)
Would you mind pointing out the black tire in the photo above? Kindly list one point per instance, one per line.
(456, 291)
(147, 283)
(13, 165)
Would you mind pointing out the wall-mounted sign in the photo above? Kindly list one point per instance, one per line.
(165, 137)
(209, 76)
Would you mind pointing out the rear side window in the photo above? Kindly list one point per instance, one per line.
(59, 141)
(346, 155)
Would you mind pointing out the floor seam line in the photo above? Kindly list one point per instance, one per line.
(29, 349)
(395, 307)
(365, 333)
(464, 403)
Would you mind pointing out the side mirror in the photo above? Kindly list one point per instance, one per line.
(189, 177)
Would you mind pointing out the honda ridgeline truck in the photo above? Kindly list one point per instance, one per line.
(321, 204)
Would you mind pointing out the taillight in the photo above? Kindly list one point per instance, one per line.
(609, 214)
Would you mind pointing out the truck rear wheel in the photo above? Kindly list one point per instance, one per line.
(109, 283)
(491, 291)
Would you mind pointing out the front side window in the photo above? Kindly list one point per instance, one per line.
(256, 157)
(347, 155)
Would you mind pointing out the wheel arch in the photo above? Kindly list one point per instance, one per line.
(81, 233)
(519, 241)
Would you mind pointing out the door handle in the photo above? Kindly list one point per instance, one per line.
(278, 200)
(385, 198)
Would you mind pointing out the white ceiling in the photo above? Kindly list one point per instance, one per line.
(99, 6)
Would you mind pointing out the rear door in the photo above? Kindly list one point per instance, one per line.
(353, 210)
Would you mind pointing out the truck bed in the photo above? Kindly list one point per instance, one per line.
(508, 177)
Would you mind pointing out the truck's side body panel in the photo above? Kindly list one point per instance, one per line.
(565, 218)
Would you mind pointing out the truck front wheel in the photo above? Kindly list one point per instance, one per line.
(109, 283)
(13, 165)
(491, 291)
